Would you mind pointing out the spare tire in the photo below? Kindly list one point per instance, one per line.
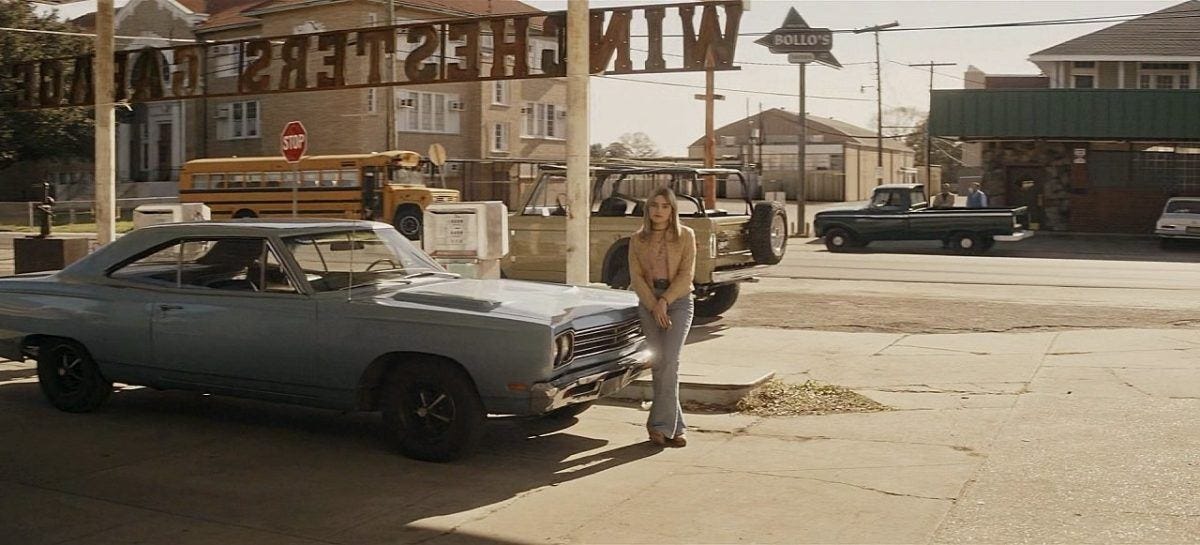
(768, 233)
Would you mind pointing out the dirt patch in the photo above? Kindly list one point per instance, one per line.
(778, 398)
(792, 310)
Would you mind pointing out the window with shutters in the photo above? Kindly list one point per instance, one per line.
(543, 120)
(428, 112)
(238, 120)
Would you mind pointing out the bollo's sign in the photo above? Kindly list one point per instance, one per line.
(800, 42)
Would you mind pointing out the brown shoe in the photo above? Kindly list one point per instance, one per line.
(679, 441)
(657, 438)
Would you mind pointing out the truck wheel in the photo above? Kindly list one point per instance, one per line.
(70, 378)
(768, 233)
(719, 300)
(966, 243)
(433, 411)
(408, 220)
(839, 240)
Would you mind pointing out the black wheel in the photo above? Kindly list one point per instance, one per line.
(244, 213)
(839, 240)
(768, 233)
(408, 220)
(433, 411)
(618, 279)
(966, 243)
(70, 379)
(570, 411)
(719, 300)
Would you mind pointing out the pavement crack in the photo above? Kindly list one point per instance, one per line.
(1113, 372)
(891, 344)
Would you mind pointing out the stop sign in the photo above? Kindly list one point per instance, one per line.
(293, 142)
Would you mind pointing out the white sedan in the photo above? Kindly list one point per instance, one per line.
(1180, 220)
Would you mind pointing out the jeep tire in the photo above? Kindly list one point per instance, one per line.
(768, 233)
(719, 300)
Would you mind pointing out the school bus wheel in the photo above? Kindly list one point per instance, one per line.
(244, 213)
(408, 220)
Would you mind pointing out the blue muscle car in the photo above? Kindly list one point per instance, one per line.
(338, 314)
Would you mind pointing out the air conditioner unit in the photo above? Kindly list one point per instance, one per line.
(456, 106)
(222, 112)
(407, 103)
(526, 110)
(562, 114)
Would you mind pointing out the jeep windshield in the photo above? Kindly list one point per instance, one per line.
(346, 259)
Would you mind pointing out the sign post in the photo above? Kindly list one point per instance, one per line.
(293, 142)
(802, 44)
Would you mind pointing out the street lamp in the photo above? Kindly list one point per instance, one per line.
(878, 99)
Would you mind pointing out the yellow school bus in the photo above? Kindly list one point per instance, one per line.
(387, 186)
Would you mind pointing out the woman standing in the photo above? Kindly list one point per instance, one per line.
(662, 263)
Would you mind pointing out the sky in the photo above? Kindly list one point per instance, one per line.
(674, 119)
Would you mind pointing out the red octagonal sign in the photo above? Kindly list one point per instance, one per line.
(294, 141)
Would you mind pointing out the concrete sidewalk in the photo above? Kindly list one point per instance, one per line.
(1069, 437)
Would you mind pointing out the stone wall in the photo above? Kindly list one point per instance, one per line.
(1054, 161)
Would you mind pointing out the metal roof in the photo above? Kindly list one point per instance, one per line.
(1148, 115)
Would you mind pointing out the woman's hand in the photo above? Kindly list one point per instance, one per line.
(660, 314)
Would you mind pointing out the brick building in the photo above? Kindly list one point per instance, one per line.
(483, 125)
(1098, 141)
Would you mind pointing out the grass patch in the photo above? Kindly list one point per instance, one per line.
(121, 227)
(778, 398)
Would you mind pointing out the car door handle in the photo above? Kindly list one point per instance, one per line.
(170, 307)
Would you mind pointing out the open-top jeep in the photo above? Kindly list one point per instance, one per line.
(731, 246)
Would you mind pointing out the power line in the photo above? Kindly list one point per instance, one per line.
(728, 90)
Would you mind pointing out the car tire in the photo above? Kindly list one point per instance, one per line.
(433, 411)
(838, 239)
(719, 300)
(70, 378)
(618, 279)
(966, 243)
(409, 221)
(768, 233)
(570, 411)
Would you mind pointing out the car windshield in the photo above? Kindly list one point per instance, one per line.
(345, 259)
(1183, 207)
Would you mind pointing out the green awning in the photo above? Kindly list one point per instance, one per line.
(1066, 114)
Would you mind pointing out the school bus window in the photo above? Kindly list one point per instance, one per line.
(200, 181)
(273, 179)
(289, 179)
(254, 179)
(216, 181)
(329, 178)
(237, 181)
(310, 178)
(349, 178)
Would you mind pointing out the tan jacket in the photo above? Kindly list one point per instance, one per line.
(681, 262)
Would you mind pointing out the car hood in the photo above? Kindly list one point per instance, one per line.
(1180, 219)
(532, 301)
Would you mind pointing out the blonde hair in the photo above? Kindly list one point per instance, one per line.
(673, 229)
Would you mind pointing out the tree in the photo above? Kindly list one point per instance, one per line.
(638, 143)
(596, 151)
(908, 125)
(39, 134)
(617, 150)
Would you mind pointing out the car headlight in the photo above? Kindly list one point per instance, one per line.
(562, 351)
(712, 245)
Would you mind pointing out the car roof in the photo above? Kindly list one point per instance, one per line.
(900, 186)
(265, 227)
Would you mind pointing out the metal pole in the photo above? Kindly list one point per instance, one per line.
(390, 110)
(106, 158)
(802, 152)
(296, 189)
(879, 115)
(710, 139)
(578, 161)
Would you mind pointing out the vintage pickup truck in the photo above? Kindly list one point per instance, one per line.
(901, 212)
(732, 246)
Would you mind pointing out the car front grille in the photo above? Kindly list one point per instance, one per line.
(597, 340)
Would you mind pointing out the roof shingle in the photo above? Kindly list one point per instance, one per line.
(1174, 31)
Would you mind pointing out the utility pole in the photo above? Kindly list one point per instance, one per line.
(878, 98)
(578, 160)
(710, 139)
(928, 139)
(106, 158)
(801, 153)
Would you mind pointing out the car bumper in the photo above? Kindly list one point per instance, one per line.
(589, 384)
(1175, 233)
(730, 276)
(1015, 237)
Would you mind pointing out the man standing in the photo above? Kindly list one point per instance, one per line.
(976, 198)
(945, 199)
